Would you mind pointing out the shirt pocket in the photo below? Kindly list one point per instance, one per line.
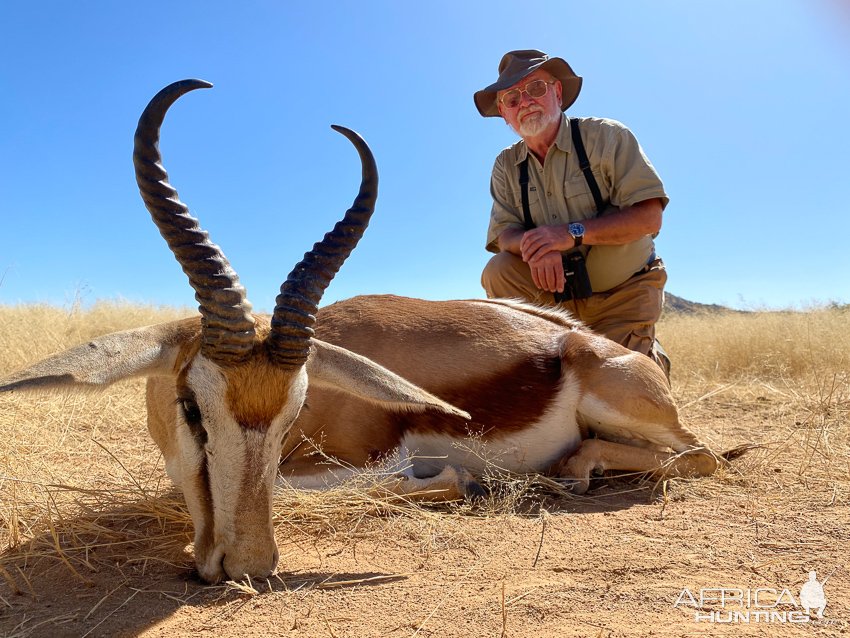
(533, 198)
(534, 206)
(580, 202)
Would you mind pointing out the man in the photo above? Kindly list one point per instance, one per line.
(612, 229)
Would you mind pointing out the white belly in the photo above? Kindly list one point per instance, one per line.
(530, 449)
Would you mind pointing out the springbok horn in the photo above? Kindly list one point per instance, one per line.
(288, 342)
(228, 327)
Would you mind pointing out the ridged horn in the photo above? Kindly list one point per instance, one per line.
(228, 327)
(292, 323)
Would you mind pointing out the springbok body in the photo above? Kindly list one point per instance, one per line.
(535, 382)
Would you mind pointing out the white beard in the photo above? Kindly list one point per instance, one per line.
(535, 124)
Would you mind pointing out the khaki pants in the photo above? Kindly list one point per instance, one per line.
(626, 314)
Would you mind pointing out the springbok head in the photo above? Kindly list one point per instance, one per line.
(236, 380)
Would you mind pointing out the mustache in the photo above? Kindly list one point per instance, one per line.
(529, 110)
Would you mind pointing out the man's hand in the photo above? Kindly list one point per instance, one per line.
(547, 268)
(538, 242)
(548, 272)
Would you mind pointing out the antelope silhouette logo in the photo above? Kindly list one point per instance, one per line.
(812, 595)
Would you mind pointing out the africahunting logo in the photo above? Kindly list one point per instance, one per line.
(731, 605)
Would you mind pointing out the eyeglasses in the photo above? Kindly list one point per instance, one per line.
(535, 89)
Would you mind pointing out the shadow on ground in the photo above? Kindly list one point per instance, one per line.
(116, 570)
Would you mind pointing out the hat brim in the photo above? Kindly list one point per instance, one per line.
(485, 99)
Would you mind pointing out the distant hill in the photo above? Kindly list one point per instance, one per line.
(678, 305)
(675, 304)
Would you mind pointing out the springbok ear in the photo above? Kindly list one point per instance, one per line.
(336, 368)
(107, 359)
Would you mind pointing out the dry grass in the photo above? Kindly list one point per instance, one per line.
(762, 346)
(31, 332)
(83, 491)
(794, 365)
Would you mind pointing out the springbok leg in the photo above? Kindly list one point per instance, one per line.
(451, 484)
(598, 455)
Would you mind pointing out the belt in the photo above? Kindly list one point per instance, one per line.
(648, 265)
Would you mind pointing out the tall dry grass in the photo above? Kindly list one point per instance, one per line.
(780, 379)
(80, 479)
(734, 346)
(65, 454)
(33, 331)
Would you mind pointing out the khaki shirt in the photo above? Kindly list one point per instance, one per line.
(558, 192)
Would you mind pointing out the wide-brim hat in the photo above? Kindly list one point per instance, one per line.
(516, 65)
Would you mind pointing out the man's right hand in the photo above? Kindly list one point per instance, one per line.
(548, 272)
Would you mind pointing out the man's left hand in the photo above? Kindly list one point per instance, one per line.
(545, 239)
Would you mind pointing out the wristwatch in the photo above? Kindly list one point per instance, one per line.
(577, 231)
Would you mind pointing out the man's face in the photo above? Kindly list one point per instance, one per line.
(532, 115)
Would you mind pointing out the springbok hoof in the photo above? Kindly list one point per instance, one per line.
(473, 491)
(580, 486)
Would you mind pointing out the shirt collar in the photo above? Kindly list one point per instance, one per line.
(564, 140)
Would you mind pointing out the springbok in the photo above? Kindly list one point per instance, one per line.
(520, 387)
(236, 381)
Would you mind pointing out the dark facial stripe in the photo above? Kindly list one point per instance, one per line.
(188, 406)
(205, 527)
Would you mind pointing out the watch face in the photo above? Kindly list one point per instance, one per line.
(576, 229)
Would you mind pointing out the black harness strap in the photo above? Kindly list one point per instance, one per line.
(523, 184)
(584, 164)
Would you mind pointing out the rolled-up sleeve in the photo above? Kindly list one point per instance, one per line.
(504, 213)
(632, 177)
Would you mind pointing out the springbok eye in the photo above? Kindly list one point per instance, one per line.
(191, 411)
(193, 418)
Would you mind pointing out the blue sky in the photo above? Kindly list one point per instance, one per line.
(741, 106)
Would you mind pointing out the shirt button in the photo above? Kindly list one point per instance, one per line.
(549, 193)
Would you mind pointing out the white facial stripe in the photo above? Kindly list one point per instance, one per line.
(187, 460)
(289, 412)
(225, 447)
